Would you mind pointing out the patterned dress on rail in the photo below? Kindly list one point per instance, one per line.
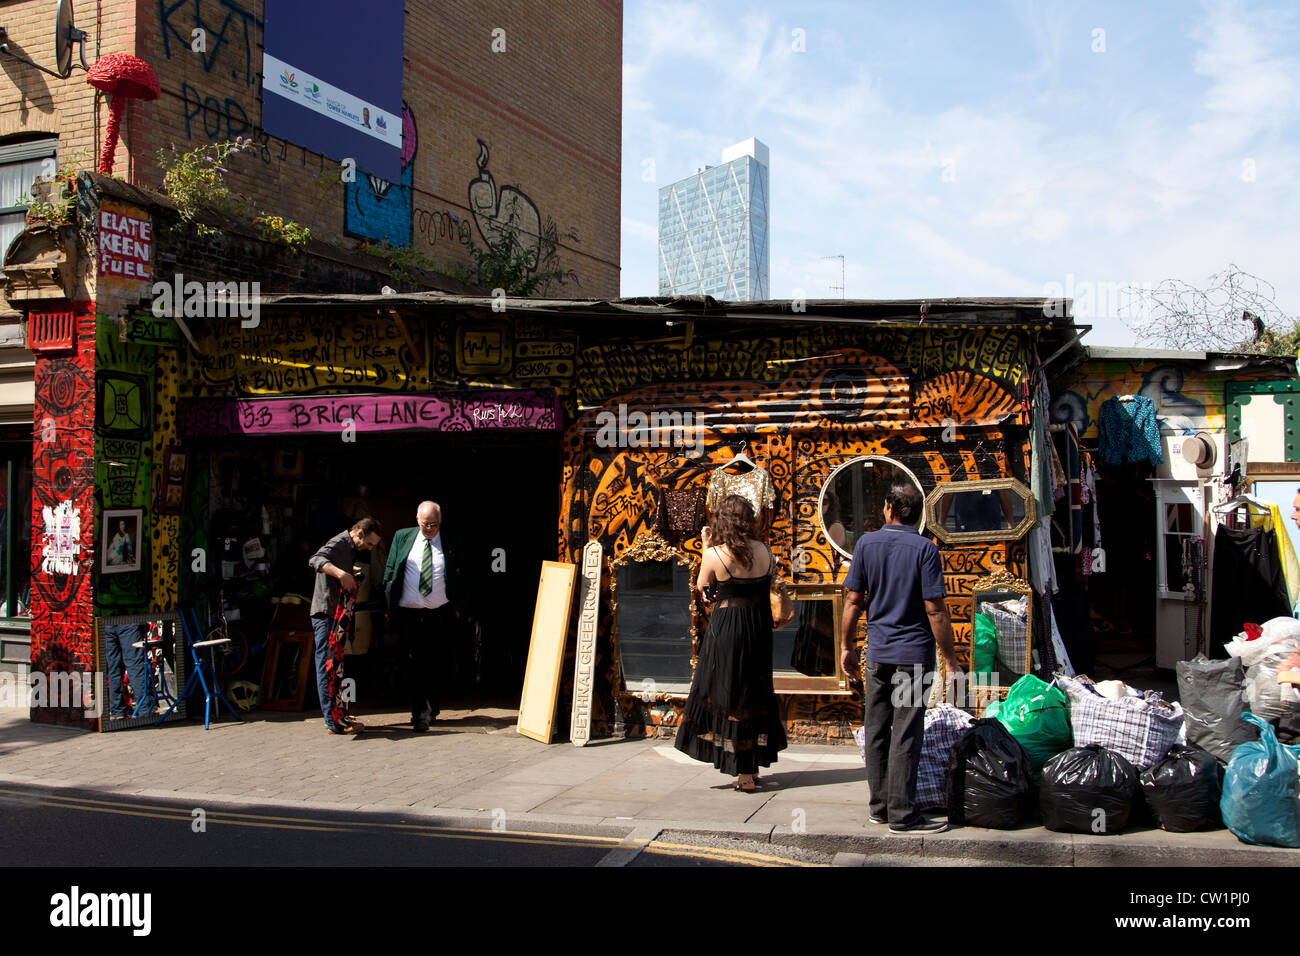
(340, 633)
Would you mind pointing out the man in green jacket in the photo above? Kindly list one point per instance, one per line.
(422, 584)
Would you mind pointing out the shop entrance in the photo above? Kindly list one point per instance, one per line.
(275, 501)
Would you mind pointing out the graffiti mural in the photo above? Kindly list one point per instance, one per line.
(505, 213)
(63, 481)
(1187, 399)
(374, 208)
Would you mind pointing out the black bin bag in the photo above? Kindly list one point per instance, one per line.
(1213, 696)
(1184, 789)
(1088, 790)
(989, 780)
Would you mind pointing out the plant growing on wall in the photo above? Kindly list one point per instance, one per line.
(197, 180)
(54, 199)
(507, 262)
(284, 232)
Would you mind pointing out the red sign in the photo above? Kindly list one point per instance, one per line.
(125, 243)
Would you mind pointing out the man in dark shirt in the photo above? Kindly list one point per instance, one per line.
(897, 579)
(335, 563)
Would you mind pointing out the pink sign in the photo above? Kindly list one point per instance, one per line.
(497, 410)
(125, 243)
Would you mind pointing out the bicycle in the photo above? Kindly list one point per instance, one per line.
(232, 653)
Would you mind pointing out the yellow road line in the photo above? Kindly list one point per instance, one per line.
(719, 853)
(303, 823)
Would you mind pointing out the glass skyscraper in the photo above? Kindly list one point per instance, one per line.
(713, 228)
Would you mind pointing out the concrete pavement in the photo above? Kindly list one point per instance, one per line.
(473, 769)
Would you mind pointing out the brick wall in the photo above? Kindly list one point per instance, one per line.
(548, 107)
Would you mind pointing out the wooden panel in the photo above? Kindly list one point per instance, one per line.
(546, 650)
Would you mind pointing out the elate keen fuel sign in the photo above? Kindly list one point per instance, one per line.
(125, 243)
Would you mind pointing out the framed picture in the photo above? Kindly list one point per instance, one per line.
(119, 545)
(176, 468)
(289, 463)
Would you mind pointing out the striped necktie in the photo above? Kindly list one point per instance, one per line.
(426, 568)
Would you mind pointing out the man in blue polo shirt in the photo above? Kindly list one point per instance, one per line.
(897, 579)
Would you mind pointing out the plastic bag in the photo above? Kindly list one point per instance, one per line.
(1268, 698)
(984, 649)
(1213, 696)
(944, 726)
(1088, 790)
(988, 781)
(1261, 802)
(1184, 790)
(1274, 630)
(1038, 716)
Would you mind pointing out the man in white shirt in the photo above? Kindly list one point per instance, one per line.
(421, 584)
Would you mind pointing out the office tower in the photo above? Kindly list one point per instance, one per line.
(713, 228)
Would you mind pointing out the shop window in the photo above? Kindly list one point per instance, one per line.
(853, 499)
(15, 530)
(20, 165)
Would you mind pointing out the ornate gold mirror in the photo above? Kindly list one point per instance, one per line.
(806, 652)
(1002, 629)
(651, 587)
(961, 512)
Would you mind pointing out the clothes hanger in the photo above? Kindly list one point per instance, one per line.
(1245, 498)
(740, 458)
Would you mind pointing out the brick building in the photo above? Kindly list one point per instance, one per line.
(508, 111)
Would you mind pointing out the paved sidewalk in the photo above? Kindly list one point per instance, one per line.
(473, 769)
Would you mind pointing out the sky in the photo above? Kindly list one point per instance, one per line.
(980, 149)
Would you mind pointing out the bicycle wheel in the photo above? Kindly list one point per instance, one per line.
(228, 659)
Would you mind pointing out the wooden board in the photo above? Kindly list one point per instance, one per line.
(546, 650)
(584, 666)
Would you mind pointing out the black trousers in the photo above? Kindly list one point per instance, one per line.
(895, 729)
(424, 637)
(1249, 583)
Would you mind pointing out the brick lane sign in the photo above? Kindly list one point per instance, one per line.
(480, 410)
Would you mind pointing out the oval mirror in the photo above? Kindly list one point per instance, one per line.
(853, 499)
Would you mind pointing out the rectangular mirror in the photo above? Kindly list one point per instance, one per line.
(653, 624)
(141, 664)
(806, 652)
(1002, 631)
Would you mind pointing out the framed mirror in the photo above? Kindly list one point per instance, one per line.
(653, 626)
(1002, 629)
(852, 500)
(141, 663)
(998, 509)
(806, 652)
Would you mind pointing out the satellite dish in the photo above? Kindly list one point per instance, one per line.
(65, 35)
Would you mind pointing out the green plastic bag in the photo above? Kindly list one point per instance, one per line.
(1038, 716)
(985, 645)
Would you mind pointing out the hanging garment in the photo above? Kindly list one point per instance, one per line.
(754, 486)
(680, 514)
(340, 631)
(1060, 485)
(1067, 522)
(1248, 583)
(1129, 432)
(1040, 467)
(1272, 518)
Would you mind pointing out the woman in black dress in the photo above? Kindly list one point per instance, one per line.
(732, 719)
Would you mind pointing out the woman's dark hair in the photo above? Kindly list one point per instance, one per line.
(733, 526)
(906, 502)
(369, 526)
(831, 504)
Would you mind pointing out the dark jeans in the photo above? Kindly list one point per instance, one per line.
(424, 637)
(321, 627)
(120, 653)
(895, 729)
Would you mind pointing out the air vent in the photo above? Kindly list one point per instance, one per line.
(51, 331)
